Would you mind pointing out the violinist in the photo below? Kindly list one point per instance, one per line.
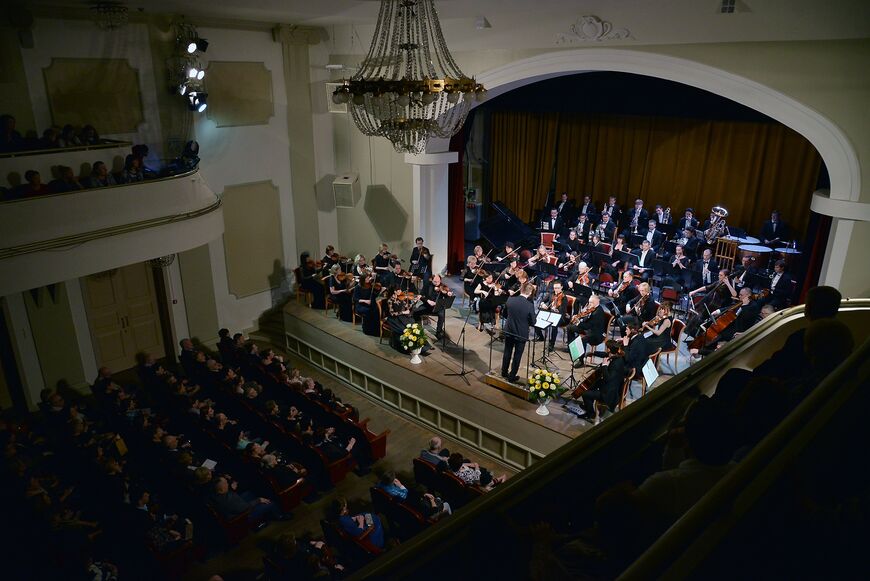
(659, 328)
(470, 279)
(420, 258)
(508, 252)
(569, 267)
(364, 297)
(432, 289)
(593, 247)
(381, 261)
(398, 315)
(590, 322)
(624, 291)
(360, 268)
(609, 390)
(556, 302)
(541, 255)
(642, 306)
(635, 346)
(340, 289)
(479, 255)
(509, 277)
(311, 281)
(619, 246)
(397, 278)
(486, 293)
(579, 287)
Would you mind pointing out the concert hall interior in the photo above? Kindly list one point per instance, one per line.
(367, 289)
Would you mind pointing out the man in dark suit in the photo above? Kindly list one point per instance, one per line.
(554, 223)
(781, 286)
(688, 220)
(661, 217)
(774, 231)
(556, 302)
(582, 227)
(645, 257)
(642, 307)
(592, 327)
(638, 212)
(612, 209)
(606, 227)
(420, 259)
(742, 272)
(609, 389)
(187, 357)
(588, 207)
(635, 347)
(655, 236)
(686, 237)
(519, 317)
(230, 504)
(707, 267)
(565, 208)
(747, 313)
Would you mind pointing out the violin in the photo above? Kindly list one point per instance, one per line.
(621, 288)
(582, 315)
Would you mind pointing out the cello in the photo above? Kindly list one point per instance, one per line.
(711, 335)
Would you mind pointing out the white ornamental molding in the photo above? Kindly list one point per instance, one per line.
(592, 29)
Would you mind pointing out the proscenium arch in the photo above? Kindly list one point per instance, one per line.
(834, 147)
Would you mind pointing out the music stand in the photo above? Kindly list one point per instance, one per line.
(543, 321)
(442, 303)
(627, 257)
(634, 240)
(577, 350)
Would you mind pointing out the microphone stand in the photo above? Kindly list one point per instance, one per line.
(463, 372)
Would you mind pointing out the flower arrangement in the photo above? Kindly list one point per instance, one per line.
(413, 337)
(544, 384)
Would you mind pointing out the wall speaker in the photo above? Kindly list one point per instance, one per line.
(346, 190)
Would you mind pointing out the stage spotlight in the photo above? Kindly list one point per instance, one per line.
(182, 89)
(192, 72)
(201, 104)
(200, 75)
(191, 48)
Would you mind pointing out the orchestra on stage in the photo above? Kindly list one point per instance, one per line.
(645, 279)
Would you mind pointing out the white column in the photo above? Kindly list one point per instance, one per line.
(844, 213)
(25, 349)
(82, 328)
(429, 188)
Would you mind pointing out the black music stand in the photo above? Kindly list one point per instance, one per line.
(442, 303)
(634, 240)
(544, 320)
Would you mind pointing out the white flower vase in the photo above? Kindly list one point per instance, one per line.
(542, 407)
(415, 356)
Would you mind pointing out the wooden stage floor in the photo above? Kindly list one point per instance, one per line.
(329, 335)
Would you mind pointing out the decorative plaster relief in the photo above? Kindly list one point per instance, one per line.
(100, 92)
(592, 29)
(239, 93)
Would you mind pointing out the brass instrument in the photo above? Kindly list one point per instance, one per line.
(717, 228)
(666, 218)
(633, 224)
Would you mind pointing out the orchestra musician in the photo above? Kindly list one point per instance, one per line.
(706, 266)
(624, 292)
(364, 297)
(748, 313)
(330, 257)
(774, 231)
(569, 267)
(420, 258)
(642, 306)
(485, 292)
(541, 255)
(397, 278)
(565, 208)
(470, 279)
(645, 256)
(572, 242)
(636, 217)
(507, 253)
(660, 328)
(615, 266)
(590, 322)
(341, 289)
(678, 270)
(688, 238)
(612, 210)
(635, 347)
(480, 256)
(579, 286)
(593, 247)
(654, 236)
(511, 277)
(432, 289)
(743, 272)
(311, 281)
(606, 227)
(398, 315)
(582, 227)
(609, 390)
(588, 207)
(688, 220)
(360, 268)
(555, 302)
(781, 286)
(381, 261)
(553, 223)
(661, 216)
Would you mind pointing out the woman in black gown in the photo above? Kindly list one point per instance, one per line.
(660, 327)
(364, 296)
(340, 289)
(398, 313)
(311, 281)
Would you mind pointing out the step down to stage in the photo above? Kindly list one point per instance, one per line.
(499, 382)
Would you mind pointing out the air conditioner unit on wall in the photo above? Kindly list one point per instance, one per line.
(331, 106)
(346, 190)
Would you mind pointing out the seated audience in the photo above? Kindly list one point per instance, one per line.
(363, 525)
(435, 454)
(472, 474)
(100, 176)
(229, 504)
(393, 486)
(67, 181)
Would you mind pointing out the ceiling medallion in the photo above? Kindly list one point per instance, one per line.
(592, 29)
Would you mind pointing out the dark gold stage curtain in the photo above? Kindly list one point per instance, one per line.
(749, 168)
(522, 158)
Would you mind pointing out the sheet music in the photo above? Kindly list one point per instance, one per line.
(649, 373)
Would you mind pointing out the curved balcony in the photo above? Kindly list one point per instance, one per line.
(14, 164)
(57, 237)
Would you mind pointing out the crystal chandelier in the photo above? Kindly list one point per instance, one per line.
(110, 15)
(408, 87)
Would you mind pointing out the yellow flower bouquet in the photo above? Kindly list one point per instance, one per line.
(413, 337)
(544, 384)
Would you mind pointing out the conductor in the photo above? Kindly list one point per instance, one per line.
(520, 316)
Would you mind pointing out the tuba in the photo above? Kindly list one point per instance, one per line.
(717, 228)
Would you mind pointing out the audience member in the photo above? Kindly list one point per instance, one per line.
(435, 454)
(100, 176)
(67, 181)
(362, 525)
